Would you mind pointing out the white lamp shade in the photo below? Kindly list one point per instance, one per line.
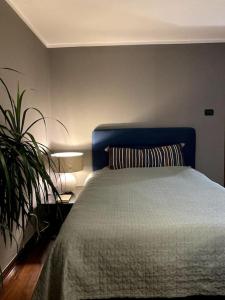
(68, 162)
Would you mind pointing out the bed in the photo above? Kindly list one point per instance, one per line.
(140, 233)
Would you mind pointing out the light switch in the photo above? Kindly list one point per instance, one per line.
(209, 112)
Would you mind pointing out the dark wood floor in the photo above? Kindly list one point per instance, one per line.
(19, 284)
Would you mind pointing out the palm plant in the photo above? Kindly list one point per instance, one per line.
(25, 166)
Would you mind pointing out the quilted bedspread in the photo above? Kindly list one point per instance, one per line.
(157, 232)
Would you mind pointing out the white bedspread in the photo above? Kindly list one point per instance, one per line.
(157, 232)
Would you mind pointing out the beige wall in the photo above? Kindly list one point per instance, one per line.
(20, 49)
(166, 85)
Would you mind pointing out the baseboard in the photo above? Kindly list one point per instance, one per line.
(22, 252)
(9, 267)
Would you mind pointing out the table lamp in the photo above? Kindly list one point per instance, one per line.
(67, 163)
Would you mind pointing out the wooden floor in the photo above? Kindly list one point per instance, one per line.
(19, 284)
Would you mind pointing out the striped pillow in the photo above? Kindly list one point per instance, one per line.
(170, 155)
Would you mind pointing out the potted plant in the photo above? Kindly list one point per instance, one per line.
(25, 165)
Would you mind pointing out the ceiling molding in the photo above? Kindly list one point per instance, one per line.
(134, 43)
(27, 22)
(56, 32)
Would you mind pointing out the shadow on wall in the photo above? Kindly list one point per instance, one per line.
(134, 125)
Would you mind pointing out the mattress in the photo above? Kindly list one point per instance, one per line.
(141, 233)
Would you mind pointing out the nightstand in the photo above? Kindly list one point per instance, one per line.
(56, 213)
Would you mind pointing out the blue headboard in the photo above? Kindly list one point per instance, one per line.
(141, 137)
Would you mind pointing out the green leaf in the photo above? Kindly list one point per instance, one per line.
(11, 69)
(25, 166)
(9, 95)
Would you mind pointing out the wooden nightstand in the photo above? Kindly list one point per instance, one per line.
(56, 213)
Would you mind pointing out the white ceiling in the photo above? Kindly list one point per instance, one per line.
(71, 23)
